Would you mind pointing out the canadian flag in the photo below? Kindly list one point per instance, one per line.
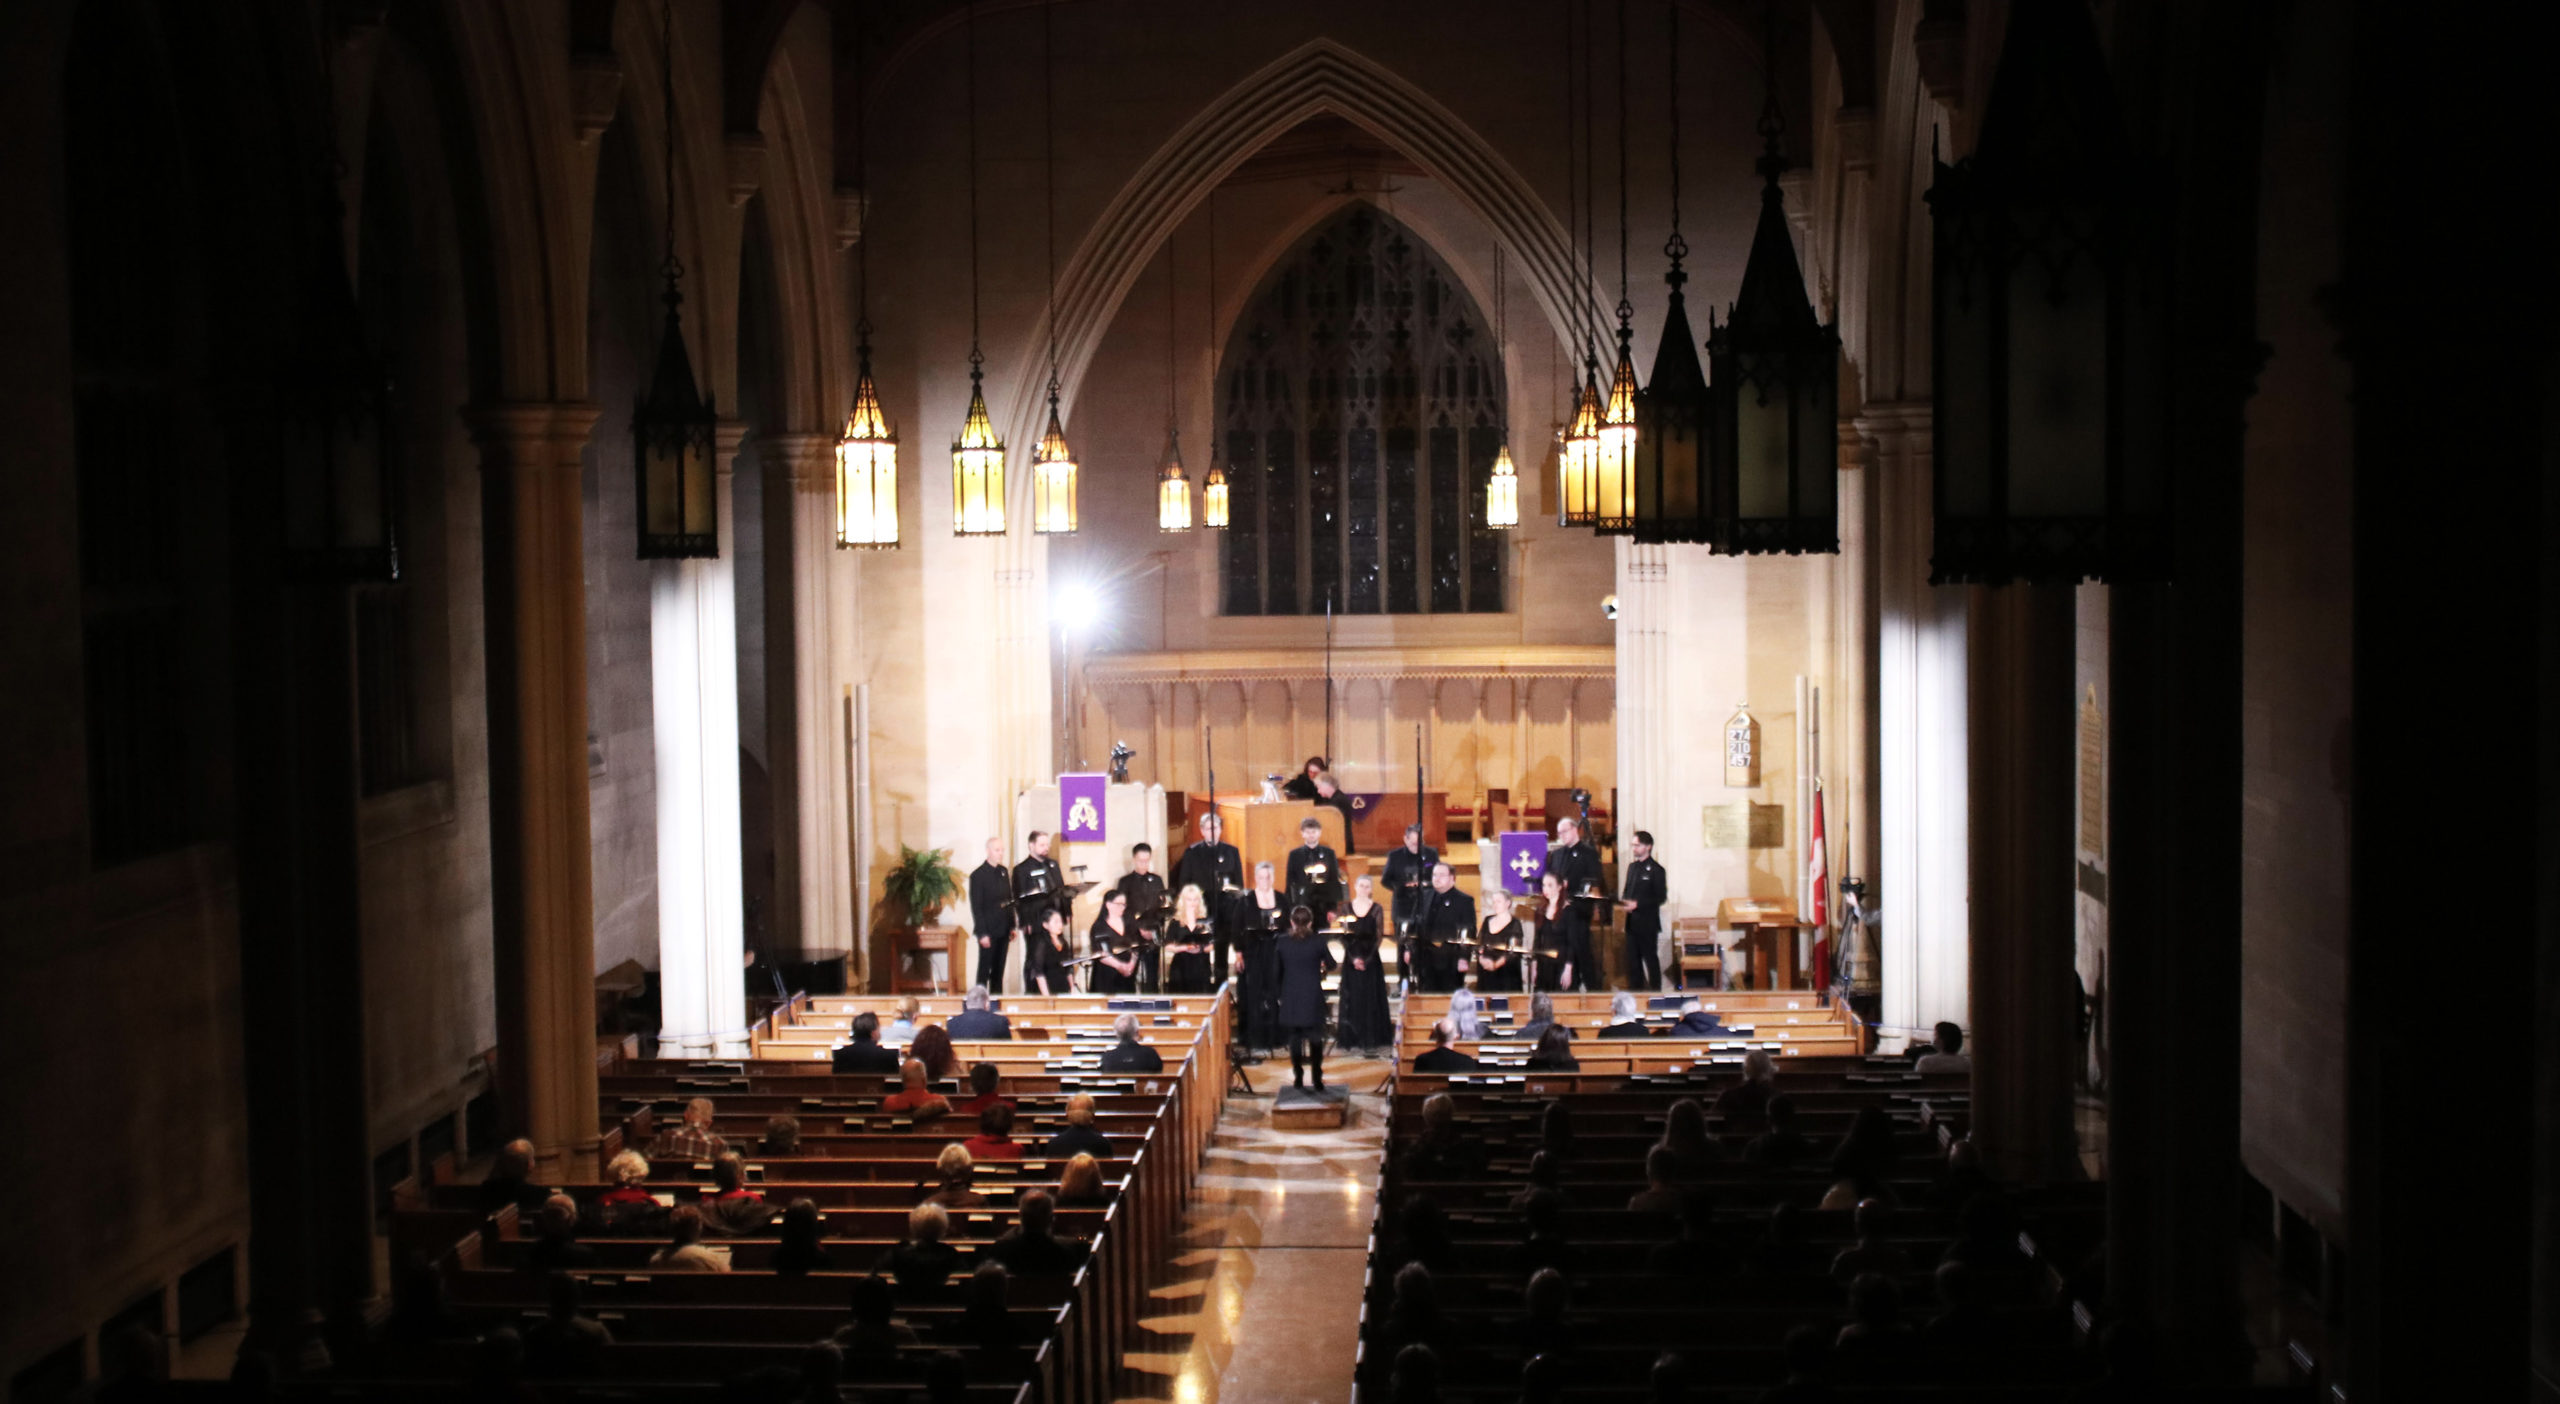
(1818, 906)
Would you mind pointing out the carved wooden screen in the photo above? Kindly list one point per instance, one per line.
(1360, 404)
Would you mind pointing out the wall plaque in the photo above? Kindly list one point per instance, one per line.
(1743, 824)
(1741, 749)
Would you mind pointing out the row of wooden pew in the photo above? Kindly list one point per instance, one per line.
(679, 1335)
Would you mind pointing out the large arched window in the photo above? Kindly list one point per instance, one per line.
(1360, 404)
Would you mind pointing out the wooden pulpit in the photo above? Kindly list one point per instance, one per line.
(1766, 932)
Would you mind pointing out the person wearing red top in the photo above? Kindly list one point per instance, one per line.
(913, 1098)
(984, 1082)
(630, 1174)
(994, 1140)
(732, 1210)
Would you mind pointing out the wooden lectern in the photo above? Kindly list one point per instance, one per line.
(1766, 928)
(1264, 833)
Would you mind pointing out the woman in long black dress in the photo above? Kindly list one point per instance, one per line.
(1115, 944)
(1498, 946)
(1260, 915)
(1187, 938)
(1303, 959)
(1044, 956)
(1362, 1020)
(1564, 940)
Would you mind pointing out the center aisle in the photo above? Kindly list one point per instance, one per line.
(1264, 1302)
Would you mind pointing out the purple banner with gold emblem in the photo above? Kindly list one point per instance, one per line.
(1524, 857)
(1080, 807)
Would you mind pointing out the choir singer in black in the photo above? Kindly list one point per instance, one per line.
(1039, 886)
(1315, 873)
(1448, 917)
(1573, 859)
(1408, 877)
(1213, 866)
(1148, 906)
(991, 919)
(1648, 887)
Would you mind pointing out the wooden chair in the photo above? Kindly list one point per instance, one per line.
(1694, 948)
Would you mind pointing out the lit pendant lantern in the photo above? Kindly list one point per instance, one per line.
(1213, 494)
(2049, 313)
(977, 456)
(672, 428)
(1613, 467)
(1674, 411)
(1173, 485)
(1579, 463)
(1502, 492)
(1774, 371)
(867, 454)
(1053, 479)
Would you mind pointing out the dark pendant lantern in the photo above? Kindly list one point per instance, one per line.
(672, 428)
(2048, 379)
(1774, 370)
(1674, 411)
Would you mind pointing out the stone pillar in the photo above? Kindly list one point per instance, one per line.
(2023, 726)
(812, 820)
(693, 651)
(1919, 866)
(543, 922)
(1849, 720)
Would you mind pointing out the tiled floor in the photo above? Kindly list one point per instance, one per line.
(1265, 1304)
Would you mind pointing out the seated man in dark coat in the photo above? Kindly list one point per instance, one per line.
(511, 1182)
(1441, 1058)
(1079, 1133)
(1626, 1018)
(1030, 1246)
(975, 1020)
(1129, 1055)
(864, 1054)
(1699, 1023)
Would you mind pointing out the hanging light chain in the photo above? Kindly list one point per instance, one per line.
(969, 67)
(673, 268)
(1049, 167)
(1626, 307)
(1675, 247)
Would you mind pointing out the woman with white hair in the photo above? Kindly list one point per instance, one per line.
(1466, 1014)
(1498, 945)
(1186, 942)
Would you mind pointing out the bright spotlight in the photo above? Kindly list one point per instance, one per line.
(1078, 607)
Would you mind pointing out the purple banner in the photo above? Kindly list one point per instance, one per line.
(1080, 807)
(1523, 857)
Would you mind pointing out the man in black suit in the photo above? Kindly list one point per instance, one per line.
(1577, 862)
(1039, 887)
(1329, 794)
(1213, 866)
(1315, 873)
(991, 914)
(1408, 876)
(1626, 1018)
(1447, 915)
(1148, 905)
(975, 1020)
(864, 1054)
(1129, 1055)
(1648, 887)
(1441, 1058)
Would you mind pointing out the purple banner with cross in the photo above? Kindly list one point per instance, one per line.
(1080, 807)
(1523, 857)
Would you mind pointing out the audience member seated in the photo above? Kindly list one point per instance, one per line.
(902, 1028)
(1543, 1245)
(692, 1138)
(1745, 1105)
(1877, 1343)
(1030, 1246)
(1542, 1017)
(1542, 1330)
(732, 1210)
(1554, 1052)
(801, 1252)
(497, 1370)
(628, 1207)
(924, 1260)
(913, 1099)
(1864, 1157)
(1626, 1017)
(557, 1249)
(1129, 1055)
(1695, 1252)
(946, 1378)
(1555, 1129)
(1442, 1152)
(1413, 1316)
(1542, 1379)
(1422, 1234)
(1546, 1172)
(511, 1181)
(932, 1047)
(1466, 1013)
(1440, 1057)
(781, 1136)
(994, 1140)
(1987, 1237)
(1871, 1252)
(567, 1341)
(1684, 1133)
(1660, 1194)
(1964, 1328)
(418, 1311)
(821, 1375)
(875, 1333)
(685, 1251)
(986, 1088)
(959, 1172)
(1081, 1181)
(1697, 1022)
(1808, 1358)
(1945, 1054)
(1781, 1251)
(976, 1021)
(1416, 1378)
(1782, 1143)
(1668, 1382)
(1961, 1178)
(986, 1313)
(864, 1054)
(1079, 1134)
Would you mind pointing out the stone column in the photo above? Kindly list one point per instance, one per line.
(1848, 752)
(812, 820)
(693, 651)
(2020, 788)
(543, 922)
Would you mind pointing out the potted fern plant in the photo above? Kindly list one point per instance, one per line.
(921, 884)
(905, 953)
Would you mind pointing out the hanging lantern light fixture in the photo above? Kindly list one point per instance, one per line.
(672, 427)
(1613, 468)
(1578, 445)
(2048, 320)
(977, 456)
(1213, 484)
(867, 453)
(1173, 486)
(1674, 411)
(1774, 368)
(1053, 464)
(1502, 488)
